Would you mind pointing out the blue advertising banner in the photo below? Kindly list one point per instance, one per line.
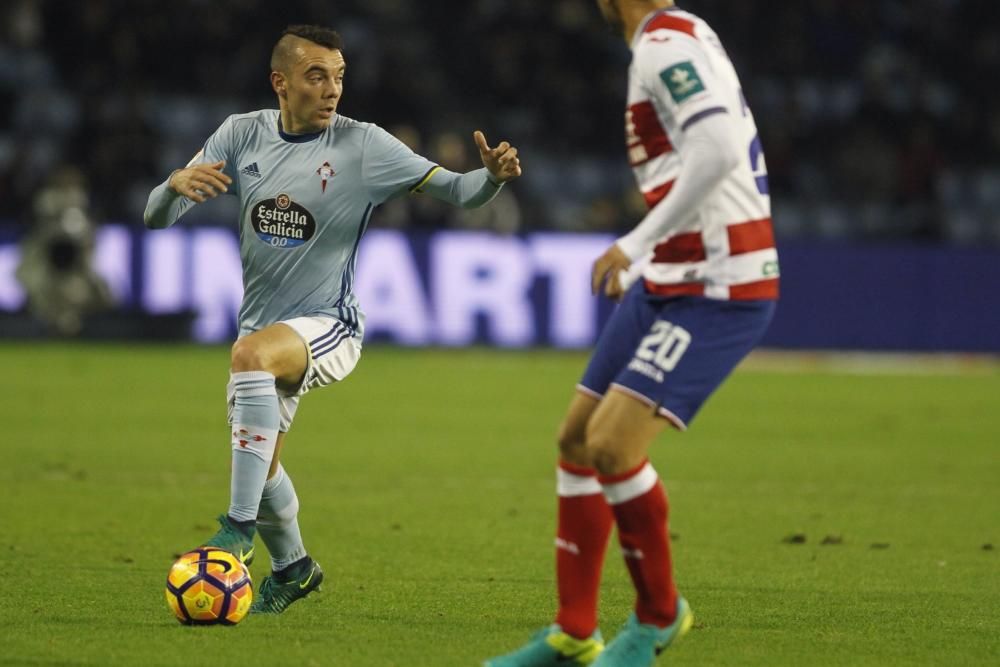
(460, 288)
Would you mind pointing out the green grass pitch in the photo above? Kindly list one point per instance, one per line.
(427, 490)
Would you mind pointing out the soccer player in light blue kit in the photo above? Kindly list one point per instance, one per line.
(308, 180)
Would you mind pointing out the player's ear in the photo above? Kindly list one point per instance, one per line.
(278, 83)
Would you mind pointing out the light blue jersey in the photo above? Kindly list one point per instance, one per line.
(305, 201)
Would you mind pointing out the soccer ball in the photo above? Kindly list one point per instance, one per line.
(209, 586)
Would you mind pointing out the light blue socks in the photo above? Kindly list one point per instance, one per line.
(255, 430)
(277, 522)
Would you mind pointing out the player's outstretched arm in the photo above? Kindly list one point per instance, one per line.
(478, 187)
(193, 184)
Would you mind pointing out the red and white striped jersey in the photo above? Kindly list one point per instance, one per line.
(680, 73)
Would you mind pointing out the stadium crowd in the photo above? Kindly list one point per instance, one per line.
(877, 116)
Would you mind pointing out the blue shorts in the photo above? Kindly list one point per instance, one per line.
(672, 352)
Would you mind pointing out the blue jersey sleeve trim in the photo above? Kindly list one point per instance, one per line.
(701, 115)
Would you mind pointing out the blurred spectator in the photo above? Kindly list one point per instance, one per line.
(56, 268)
(876, 115)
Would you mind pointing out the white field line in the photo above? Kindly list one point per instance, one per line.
(871, 363)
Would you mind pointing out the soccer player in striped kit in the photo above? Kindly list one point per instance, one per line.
(308, 180)
(708, 283)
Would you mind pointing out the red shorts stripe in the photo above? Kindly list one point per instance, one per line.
(762, 289)
(676, 289)
(667, 21)
(656, 195)
(750, 236)
(681, 248)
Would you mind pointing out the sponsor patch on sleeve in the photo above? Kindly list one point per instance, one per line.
(682, 81)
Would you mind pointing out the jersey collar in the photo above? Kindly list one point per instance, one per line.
(297, 138)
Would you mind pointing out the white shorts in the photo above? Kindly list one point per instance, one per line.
(332, 354)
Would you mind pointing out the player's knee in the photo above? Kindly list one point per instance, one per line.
(573, 444)
(604, 452)
(246, 356)
(607, 461)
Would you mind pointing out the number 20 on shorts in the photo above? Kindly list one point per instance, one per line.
(664, 346)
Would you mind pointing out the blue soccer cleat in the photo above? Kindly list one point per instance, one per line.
(279, 590)
(638, 644)
(233, 539)
(551, 647)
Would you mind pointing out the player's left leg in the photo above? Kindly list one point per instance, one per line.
(294, 574)
(332, 355)
(277, 517)
(619, 436)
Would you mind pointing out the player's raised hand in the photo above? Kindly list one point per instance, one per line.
(607, 270)
(501, 161)
(201, 181)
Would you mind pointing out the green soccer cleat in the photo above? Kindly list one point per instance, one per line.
(233, 539)
(551, 647)
(638, 644)
(275, 594)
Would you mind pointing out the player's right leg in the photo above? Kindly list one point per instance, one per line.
(584, 517)
(259, 361)
(584, 525)
(551, 647)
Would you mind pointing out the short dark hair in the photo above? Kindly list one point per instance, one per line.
(313, 33)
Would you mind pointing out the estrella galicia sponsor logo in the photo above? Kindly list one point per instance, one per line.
(281, 223)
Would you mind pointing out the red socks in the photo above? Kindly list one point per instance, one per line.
(640, 510)
(588, 505)
(581, 542)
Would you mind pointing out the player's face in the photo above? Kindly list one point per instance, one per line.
(313, 87)
(609, 8)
